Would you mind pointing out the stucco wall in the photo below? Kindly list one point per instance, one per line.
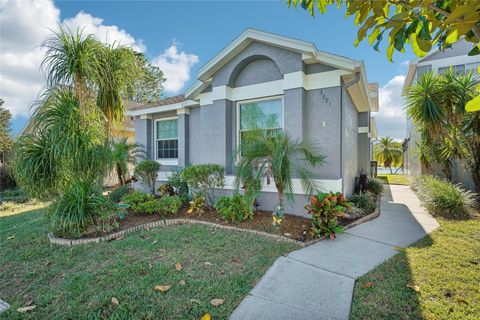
(350, 144)
(258, 71)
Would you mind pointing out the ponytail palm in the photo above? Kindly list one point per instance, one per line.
(274, 155)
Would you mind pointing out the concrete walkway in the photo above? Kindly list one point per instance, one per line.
(317, 282)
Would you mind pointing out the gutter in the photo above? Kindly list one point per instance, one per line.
(343, 87)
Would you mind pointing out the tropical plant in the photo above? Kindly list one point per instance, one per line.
(236, 208)
(444, 198)
(166, 189)
(123, 154)
(203, 179)
(136, 199)
(421, 24)
(13, 195)
(325, 208)
(147, 171)
(118, 193)
(363, 201)
(436, 105)
(388, 152)
(197, 205)
(179, 185)
(375, 186)
(275, 155)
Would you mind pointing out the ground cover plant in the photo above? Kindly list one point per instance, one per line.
(80, 282)
(375, 186)
(436, 278)
(365, 201)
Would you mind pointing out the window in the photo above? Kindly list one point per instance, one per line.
(472, 67)
(457, 69)
(166, 138)
(261, 114)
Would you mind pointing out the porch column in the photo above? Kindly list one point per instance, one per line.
(144, 134)
(183, 136)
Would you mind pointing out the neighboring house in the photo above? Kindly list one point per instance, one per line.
(311, 94)
(438, 62)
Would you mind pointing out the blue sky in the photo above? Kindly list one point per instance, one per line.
(199, 30)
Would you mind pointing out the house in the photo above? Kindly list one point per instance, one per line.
(437, 62)
(311, 94)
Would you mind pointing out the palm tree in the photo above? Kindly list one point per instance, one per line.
(123, 154)
(268, 154)
(388, 152)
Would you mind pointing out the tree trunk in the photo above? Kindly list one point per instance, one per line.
(120, 175)
(281, 198)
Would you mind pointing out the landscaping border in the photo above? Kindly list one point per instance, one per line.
(170, 222)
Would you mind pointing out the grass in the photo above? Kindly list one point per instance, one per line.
(446, 268)
(394, 179)
(79, 282)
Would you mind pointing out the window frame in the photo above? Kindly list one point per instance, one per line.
(164, 161)
(271, 98)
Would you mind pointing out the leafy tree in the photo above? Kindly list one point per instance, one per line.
(5, 138)
(436, 105)
(149, 86)
(418, 23)
(388, 152)
(275, 155)
(123, 154)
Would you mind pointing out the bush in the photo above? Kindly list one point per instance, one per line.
(166, 189)
(117, 194)
(443, 198)
(236, 208)
(136, 199)
(203, 179)
(13, 195)
(169, 204)
(179, 185)
(325, 209)
(6, 178)
(197, 205)
(147, 171)
(363, 201)
(375, 186)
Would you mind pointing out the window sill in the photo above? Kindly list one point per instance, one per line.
(168, 162)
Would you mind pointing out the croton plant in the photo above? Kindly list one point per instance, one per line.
(325, 209)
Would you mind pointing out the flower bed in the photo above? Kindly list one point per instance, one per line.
(294, 228)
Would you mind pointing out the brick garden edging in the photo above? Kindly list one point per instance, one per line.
(170, 222)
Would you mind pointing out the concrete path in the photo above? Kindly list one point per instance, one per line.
(317, 282)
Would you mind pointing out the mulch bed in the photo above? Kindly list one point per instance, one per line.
(293, 227)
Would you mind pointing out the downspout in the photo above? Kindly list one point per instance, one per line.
(343, 87)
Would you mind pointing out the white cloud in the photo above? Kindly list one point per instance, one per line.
(89, 24)
(24, 26)
(391, 119)
(175, 66)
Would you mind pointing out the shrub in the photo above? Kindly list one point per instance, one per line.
(136, 199)
(179, 185)
(79, 207)
(236, 208)
(169, 204)
(363, 201)
(147, 171)
(197, 204)
(375, 186)
(6, 178)
(444, 198)
(325, 209)
(13, 195)
(117, 194)
(203, 179)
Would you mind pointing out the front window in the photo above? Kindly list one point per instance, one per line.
(166, 138)
(262, 114)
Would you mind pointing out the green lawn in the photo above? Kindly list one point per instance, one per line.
(79, 282)
(394, 179)
(446, 268)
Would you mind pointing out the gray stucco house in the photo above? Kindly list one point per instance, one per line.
(313, 94)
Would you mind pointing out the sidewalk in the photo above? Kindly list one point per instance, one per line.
(317, 282)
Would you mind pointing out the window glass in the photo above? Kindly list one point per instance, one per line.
(265, 114)
(166, 135)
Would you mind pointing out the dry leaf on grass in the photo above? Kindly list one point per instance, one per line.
(182, 282)
(178, 266)
(195, 301)
(163, 288)
(154, 241)
(11, 237)
(236, 260)
(208, 263)
(25, 309)
(368, 284)
(206, 316)
(114, 301)
(414, 287)
(216, 302)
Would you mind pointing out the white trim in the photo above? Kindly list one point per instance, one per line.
(325, 185)
(206, 98)
(145, 116)
(185, 110)
(163, 108)
(163, 161)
